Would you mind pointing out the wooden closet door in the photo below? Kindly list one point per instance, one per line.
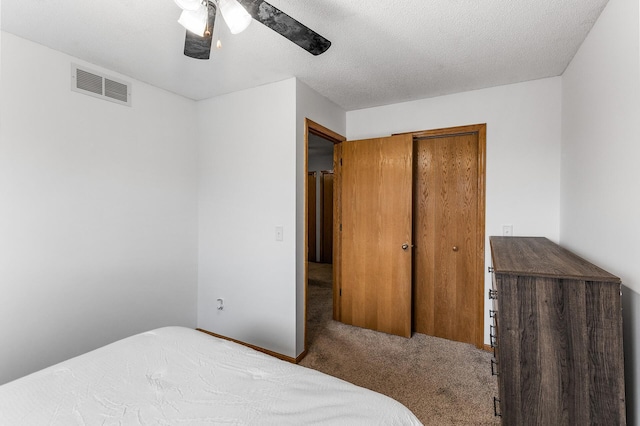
(375, 261)
(445, 233)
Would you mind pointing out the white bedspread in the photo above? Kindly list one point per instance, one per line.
(176, 376)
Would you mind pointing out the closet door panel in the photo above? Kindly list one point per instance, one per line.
(445, 220)
(376, 236)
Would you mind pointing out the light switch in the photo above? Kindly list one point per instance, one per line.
(279, 233)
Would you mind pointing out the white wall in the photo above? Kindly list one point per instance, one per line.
(241, 203)
(600, 207)
(523, 149)
(98, 213)
(309, 104)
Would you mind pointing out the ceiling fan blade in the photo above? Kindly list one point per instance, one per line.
(285, 25)
(200, 47)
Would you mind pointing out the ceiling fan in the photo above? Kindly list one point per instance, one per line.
(198, 17)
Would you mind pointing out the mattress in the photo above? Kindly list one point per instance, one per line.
(176, 375)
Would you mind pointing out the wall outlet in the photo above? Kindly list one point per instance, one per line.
(279, 233)
(220, 304)
(507, 230)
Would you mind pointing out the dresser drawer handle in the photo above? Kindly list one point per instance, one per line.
(494, 370)
(496, 404)
(493, 337)
(493, 294)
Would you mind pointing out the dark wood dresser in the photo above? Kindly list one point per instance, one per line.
(557, 336)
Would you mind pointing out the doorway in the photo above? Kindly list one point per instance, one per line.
(320, 144)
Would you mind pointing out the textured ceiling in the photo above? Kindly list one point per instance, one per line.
(383, 51)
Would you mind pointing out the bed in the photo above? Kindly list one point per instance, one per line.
(176, 375)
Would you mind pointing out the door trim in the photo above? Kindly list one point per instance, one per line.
(481, 131)
(311, 127)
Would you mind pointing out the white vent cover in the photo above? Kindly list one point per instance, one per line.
(95, 84)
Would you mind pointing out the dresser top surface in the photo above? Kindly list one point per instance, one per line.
(540, 257)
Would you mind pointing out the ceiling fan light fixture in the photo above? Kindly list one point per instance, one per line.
(189, 4)
(236, 16)
(194, 20)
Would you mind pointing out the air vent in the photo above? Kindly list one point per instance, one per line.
(87, 81)
(100, 86)
(115, 90)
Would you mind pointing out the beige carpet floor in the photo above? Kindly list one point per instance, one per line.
(442, 382)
